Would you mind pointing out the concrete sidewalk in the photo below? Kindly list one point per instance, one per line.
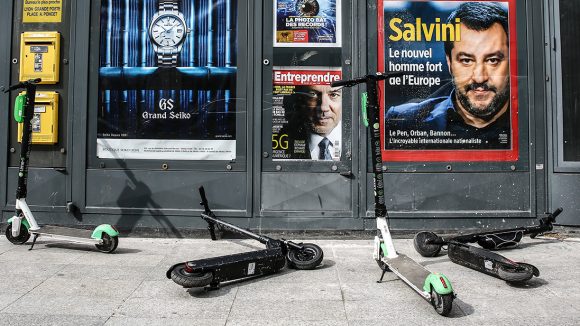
(67, 284)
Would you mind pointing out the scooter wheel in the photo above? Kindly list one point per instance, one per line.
(517, 274)
(190, 280)
(109, 243)
(307, 258)
(426, 249)
(22, 237)
(442, 302)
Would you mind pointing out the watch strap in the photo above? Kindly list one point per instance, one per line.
(168, 5)
(167, 57)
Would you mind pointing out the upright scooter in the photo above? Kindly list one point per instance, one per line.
(433, 287)
(216, 270)
(23, 224)
(428, 244)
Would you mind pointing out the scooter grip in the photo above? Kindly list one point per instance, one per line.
(347, 83)
(556, 213)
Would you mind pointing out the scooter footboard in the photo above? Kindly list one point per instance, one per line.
(237, 266)
(490, 263)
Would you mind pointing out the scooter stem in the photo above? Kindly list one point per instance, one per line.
(252, 235)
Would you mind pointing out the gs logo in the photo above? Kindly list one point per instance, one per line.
(166, 104)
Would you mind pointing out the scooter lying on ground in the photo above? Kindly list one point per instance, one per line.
(213, 271)
(428, 244)
(433, 287)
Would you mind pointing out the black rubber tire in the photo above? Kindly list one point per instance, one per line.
(21, 238)
(307, 258)
(442, 303)
(190, 280)
(109, 243)
(422, 247)
(519, 274)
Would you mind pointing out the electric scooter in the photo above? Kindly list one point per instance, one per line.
(216, 270)
(23, 224)
(433, 287)
(428, 244)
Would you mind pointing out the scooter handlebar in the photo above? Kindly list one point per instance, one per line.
(23, 84)
(349, 83)
(377, 76)
(555, 213)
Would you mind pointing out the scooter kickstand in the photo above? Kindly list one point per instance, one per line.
(33, 241)
(382, 275)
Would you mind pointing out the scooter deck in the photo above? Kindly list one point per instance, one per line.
(63, 231)
(490, 263)
(236, 266)
(65, 234)
(410, 271)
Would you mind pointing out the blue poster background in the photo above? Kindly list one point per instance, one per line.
(197, 96)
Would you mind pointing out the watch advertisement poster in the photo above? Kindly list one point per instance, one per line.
(306, 113)
(307, 23)
(167, 80)
(455, 97)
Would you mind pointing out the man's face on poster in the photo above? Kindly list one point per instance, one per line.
(479, 65)
(323, 106)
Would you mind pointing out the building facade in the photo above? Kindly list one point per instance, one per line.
(156, 98)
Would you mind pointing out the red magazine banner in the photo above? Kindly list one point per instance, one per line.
(456, 97)
(306, 77)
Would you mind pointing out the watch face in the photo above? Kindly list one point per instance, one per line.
(167, 30)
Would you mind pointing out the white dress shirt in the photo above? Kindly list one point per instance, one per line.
(335, 146)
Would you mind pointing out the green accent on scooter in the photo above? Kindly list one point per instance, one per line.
(434, 280)
(23, 222)
(365, 118)
(107, 228)
(19, 108)
(384, 249)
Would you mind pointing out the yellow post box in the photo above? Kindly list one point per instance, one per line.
(40, 56)
(45, 120)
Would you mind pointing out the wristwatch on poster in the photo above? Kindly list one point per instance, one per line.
(167, 32)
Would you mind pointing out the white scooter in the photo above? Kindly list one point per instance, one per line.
(23, 224)
(433, 287)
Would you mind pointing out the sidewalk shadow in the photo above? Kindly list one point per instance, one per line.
(138, 193)
(533, 283)
(81, 247)
(461, 309)
(536, 242)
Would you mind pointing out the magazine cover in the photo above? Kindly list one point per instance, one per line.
(456, 97)
(307, 114)
(167, 80)
(307, 23)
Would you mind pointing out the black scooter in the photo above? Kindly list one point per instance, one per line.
(213, 271)
(428, 244)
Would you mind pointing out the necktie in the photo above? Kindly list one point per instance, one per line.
(324, 151)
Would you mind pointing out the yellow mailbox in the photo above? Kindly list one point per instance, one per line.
(40, 56)
(45, 120)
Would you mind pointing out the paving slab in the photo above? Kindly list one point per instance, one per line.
(131, 321)
(10, 319)
(41, 304)
(60, 284)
